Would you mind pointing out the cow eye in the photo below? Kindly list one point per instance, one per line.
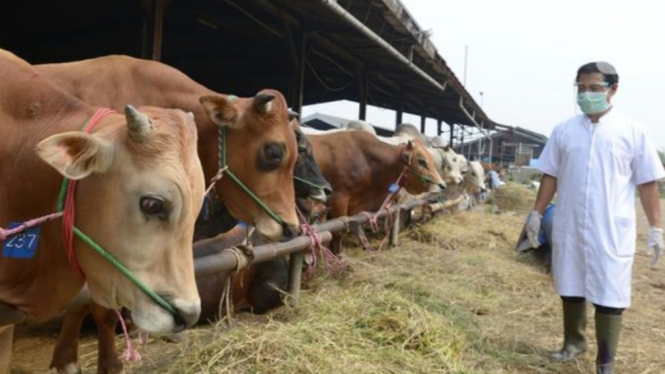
(422, 163)
(271, 156)
(302, 150)
(151, 206)
(273, 153)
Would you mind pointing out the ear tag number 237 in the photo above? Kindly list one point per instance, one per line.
(21, 245)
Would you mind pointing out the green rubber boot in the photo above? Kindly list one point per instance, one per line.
(608, 328)
(574, 324)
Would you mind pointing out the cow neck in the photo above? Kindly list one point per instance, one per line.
(387, 168)
(45, 280)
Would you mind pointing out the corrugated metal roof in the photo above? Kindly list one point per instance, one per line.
(242, 46)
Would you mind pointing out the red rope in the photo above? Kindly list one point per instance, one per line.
(69, 209)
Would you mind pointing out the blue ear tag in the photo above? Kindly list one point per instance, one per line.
(21, 245)
(242, 224)
(393, 188)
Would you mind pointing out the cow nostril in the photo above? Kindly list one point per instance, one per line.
(290, 232)
(442, 186)
(327, 191)
(179, 322)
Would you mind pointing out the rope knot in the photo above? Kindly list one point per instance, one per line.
(331, 264)
(216, 178)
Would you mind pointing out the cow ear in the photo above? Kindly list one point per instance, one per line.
(220, 110)
(76, 154)
(406, 157)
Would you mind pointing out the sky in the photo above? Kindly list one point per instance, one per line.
(523, 56)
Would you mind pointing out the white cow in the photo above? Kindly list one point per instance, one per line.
(361, 126)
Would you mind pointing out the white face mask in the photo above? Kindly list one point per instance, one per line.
(593, 102)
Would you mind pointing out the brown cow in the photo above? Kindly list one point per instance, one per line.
(140, 189)
(260, 145)
(360, 169)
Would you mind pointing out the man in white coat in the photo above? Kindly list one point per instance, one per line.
(594, 162)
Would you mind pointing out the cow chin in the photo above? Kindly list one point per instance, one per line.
(270, 230)
(155, 319)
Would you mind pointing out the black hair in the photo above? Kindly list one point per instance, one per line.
(605, 68)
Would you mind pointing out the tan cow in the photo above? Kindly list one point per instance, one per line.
(140, 189)
(260, 144)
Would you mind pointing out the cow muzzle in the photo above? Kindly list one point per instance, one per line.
(153, 318)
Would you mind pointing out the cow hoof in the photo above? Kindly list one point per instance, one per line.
(71, 368)
(113, 367)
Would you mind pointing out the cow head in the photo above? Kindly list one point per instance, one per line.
(261, 151)
(450, 163)
(421, 175)
(141, 187)
(309, 182)
(475, 177)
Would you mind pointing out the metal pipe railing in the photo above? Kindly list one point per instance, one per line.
(226, 261)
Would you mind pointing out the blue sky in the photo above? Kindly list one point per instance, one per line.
(523, 55)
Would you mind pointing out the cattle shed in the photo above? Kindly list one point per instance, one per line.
(314, 51)
(510, 145)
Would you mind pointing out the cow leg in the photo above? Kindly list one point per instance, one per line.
(65, 354)
(6, 339)
(108, 361)
(339, 208)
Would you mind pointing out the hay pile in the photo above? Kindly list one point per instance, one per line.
(513, 197)
(451, 299)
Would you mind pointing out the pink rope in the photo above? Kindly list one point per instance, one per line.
(130, 354)
(331, 264)
(6, 233)
(372, 218)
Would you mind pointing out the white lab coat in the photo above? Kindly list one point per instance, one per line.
(597, 167)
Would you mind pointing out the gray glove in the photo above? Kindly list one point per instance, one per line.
(533, 227)
(655, 244)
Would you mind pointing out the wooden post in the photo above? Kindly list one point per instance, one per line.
(438, 127)
(363, 87)
(452, 132)
(394, 233)
(422, 123)
(157, 31)
(295, 273)
(398, 117)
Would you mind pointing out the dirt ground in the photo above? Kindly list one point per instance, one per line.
(495, 318)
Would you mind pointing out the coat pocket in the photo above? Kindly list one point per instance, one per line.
(624, 231)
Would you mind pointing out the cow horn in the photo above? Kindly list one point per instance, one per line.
(293, 114)
(263, 102)
(138, 124)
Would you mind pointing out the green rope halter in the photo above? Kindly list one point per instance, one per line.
(305, 181)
